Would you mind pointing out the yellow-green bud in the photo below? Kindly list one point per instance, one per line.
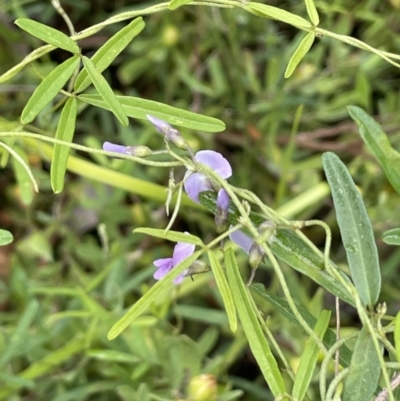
(138, 151)
(203, 388)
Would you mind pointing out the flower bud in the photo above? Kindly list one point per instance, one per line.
(138, 151)
(256, 255)
(197, 267)
(171, 134)
(221, 215)
(267, 231)
(203, 388)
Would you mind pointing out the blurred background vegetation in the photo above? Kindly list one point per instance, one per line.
(75, 266)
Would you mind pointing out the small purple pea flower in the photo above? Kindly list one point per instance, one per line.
(138, 151)
(196, 182)
(181, 252)
(171, 134)
(221, 215)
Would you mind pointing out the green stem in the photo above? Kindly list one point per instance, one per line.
(89, 150)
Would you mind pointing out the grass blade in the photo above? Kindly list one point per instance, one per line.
(48, 89)
(254, 334)
(105, 91)
(47, 34)
(65, 132)
(107, 53)
(355, 228)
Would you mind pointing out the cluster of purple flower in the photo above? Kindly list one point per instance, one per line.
(194, 183)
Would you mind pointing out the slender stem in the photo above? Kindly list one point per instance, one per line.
(23, 134)
(60, 10)
(334, 383)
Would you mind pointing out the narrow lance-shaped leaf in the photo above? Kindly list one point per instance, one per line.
(65, 132)
(364, 371)
(355, 228)
(48, 89)
(5, 237)
(266, 11)
(309, 358)
(174, 236)
(224, 290)
(47, 34)
(140, 108)
(392, 237)
(174, 4)
(301, 51)
(312, 12)
(252, 329)
(105, 91)
(379, 145)
(107, 53)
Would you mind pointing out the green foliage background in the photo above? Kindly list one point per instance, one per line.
(75, 265)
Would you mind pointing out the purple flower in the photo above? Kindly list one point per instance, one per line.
(242, 240)
(112, 147)
(182, 251)
(171, 134)
(221, 215)
(196, 182)
(139, 151)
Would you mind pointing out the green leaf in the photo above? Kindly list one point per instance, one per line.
(309, 358)
(47, 34)
(252, 329)
(174, 4)
(105, 91)
(397, 335)
(147, 299)
(48, 89)
(355, 228)
(379, 145)
(5, 237)
(23, 174)
(20, 333)
(290, 248)
(266, 11)
(65, 132)
(139, 108)
(224, 290)
(312, 12)
(174, 236)
(364, 371)
(301, 51)
(282, 306)
(107, 53)
(392, 237)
